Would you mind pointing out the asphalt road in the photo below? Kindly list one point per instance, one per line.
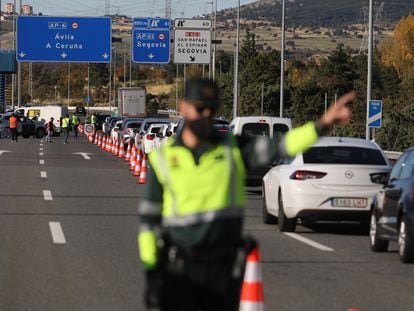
(68, 228)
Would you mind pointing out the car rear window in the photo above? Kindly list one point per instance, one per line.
(279, 130)
(133, 125)
(343, 155)
(256, 129)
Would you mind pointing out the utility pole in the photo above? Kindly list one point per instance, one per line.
(282, 59)
(369, 73)
(236, 65)
(19, 73)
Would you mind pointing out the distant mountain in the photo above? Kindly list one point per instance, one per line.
(322, 13)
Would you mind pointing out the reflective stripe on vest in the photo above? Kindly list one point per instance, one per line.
(203, 192)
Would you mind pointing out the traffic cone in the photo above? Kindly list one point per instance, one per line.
(143, 176)
(108, 144)
(116, 151)
(133, 153)
(133, 163)
(121, 153)
(103, 146)
(252, 297)
(128, 153)
(138, 163)
(90, 138)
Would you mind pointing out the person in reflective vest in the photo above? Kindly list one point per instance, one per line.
(65, 128)
(94, 121)
(191, 215)
(13, 120)
(75, 124)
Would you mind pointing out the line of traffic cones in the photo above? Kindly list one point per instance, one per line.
(134, 157)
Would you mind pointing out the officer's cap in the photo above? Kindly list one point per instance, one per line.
(203, 93)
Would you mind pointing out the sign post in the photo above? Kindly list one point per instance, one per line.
(64, 39)
(151, 40)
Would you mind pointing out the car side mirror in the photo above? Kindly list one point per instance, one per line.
(159, 134)
(168, 134)
(142, 133)
(380, 178)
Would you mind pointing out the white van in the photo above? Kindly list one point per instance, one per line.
(44, 113)
(259, 126)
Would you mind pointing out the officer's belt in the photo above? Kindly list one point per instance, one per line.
(222, 255)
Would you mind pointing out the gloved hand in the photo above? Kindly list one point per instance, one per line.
(153, 288)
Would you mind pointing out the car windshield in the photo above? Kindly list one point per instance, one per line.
(343, 155)
(134, 125)
(147, 124)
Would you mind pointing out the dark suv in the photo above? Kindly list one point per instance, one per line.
(392, 214)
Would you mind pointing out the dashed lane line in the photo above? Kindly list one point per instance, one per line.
(47, 195)
(41, 153)
(42, 162)
(43, 174)
(58, 236)
(309, 242)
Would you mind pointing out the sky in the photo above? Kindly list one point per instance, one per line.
(133, 8)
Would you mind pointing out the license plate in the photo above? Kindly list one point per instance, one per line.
(349, 202)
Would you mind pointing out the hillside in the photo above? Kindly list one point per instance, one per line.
(322, 13)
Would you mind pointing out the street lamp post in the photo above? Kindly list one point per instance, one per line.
(282, 60)
(236, 65)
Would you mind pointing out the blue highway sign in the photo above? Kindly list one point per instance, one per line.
(64, 39)
(375, 113)
(151, 46)
(152, 23)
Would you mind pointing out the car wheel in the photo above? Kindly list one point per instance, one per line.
(267, 218)
(40, 133)
(6, 133)
(285, 224)
(376, 244)
(405, 242)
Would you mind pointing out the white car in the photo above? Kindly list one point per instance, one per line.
(148, 141)
(332, 180)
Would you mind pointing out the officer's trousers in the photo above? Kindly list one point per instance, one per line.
(203, 286)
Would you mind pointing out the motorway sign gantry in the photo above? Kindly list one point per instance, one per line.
(151, 40)
(375, 113)
(64, 39)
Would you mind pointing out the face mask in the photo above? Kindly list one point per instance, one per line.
(201, 128)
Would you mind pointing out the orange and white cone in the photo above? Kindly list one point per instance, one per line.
(128, 153)
(109, 144)
(143, 176)
(133, 153)
(103, 146)
(138, 164)
(90, 138)
(252, 297)
(133, 163)
(121, 153)
(116, 151)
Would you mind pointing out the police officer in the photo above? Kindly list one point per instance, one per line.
(75, 124)
(65, 126)
(94, 121)
(191, 215)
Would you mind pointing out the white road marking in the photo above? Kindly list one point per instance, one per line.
(41, 149)
(43, 174)
(41, 161)
(309, 242)
(85, 155)
(41, 153)
(47, 195)
(57, 233)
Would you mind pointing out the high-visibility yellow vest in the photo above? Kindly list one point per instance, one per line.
(195, 193)
(65, 122)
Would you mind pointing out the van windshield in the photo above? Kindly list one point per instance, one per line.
(255, 129)
(279, 130)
